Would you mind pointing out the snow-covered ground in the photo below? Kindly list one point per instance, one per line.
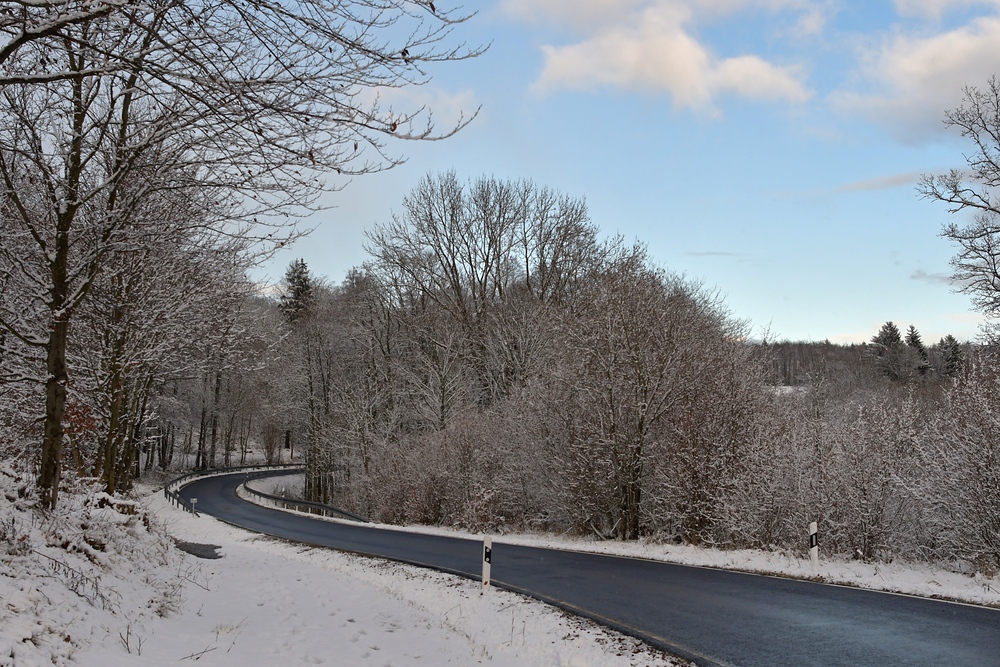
(269, 602)
(102, 586)
(96, 568)
(264, 602)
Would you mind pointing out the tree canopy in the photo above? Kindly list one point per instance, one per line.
(129, 124)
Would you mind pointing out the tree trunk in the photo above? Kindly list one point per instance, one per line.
(166, 452)
(109, 472)
(55, 406)
(228, 439)
(60, 309)
(215, 420)
(201, 460)
(245, 439)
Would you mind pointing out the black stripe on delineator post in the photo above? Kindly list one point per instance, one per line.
(487, 559)
(813, 544)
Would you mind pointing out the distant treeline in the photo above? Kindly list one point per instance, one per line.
(803, 362)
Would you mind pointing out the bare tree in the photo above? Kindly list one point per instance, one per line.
(473, 250)
(154, 315)
(106, 105)
(977, 264)
(639, 344)
(958, 477)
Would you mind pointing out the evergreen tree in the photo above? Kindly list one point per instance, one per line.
(914, 342)
(951, 353)
(896, 359)
(887, 338)
(297, 291)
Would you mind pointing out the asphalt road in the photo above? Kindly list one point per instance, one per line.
(713, 617)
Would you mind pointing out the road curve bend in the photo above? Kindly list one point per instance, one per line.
(715, 618)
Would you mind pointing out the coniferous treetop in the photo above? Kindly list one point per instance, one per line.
(914, 341)
(297, 290)
(951, 353)
(888, 336)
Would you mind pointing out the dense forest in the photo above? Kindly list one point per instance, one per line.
(497, 366)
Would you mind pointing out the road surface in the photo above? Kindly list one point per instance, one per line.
(715, 618)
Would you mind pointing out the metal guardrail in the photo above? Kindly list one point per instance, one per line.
(171, 491)
(299, 505)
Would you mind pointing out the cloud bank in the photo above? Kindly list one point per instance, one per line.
(911, 80)
(651, 46)
(902, 73)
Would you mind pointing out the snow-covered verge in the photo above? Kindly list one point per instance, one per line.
(899, 577)
(103, 585)
(278, 485)
(266, 601)
(92, 571)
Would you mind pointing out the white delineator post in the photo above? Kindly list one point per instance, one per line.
(487, 559)
(813, 545)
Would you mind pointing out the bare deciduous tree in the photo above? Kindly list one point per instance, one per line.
(108, 105)
(958, 478)
(473, 250)
(977, 264)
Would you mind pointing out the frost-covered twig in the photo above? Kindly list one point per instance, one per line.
(197, 656)
(86, 587)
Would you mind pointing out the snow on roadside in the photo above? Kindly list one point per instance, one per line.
(278, 485)
(271, 602)
(93, 569)
(899, 577)
(100, 586)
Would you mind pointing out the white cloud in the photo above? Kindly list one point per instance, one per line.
(936, 8)
(723, 7)
(595, 13)
(751, 76)
(917, 79)
(932, 278)
(880, 183)
(811, 23)
(654, 52)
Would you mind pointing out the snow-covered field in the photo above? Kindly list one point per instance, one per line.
(266, 602)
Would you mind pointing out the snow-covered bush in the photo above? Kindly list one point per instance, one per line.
(98, 557)
(958, 478)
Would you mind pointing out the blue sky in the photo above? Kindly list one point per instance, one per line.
(769, 148)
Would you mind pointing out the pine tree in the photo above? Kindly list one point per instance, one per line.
(297, 291)
(887, 338)
(896, 359)
(914, 342)
(951, 353)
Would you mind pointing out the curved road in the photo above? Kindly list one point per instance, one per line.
(714, 617)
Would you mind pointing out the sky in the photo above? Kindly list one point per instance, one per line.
(767, 148)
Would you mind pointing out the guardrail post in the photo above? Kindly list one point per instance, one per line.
(487, 559)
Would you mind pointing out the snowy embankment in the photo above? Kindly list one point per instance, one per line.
(900, 577)
(136, 600)
(95, 571)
